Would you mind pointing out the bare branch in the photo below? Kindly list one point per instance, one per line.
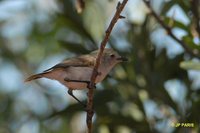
(80, 5)
(91, 86)
(194, 9)
(169, 31)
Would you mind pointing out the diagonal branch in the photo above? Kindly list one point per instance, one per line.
(196, 17)
(169, 31)
(91, 86)
(80, 5)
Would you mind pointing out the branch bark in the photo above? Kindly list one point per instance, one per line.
(196, 17)
(80, 5)
(169, 31)
(91, 86)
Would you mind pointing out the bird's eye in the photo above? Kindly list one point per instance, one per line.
(112, 55)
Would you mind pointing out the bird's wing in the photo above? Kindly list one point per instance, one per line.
(81, 61)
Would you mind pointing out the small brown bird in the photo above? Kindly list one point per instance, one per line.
(75, 73)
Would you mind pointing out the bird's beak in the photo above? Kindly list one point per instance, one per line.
(122, 59)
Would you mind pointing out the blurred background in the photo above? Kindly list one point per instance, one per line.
(158, 88)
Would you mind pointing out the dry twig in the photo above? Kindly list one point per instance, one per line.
(196, 17)
(80, 5)
(91, 86)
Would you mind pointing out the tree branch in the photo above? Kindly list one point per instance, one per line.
(169, 31)
(80, 5)
(194, 9)
(91, 86)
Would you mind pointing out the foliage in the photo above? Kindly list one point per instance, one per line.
(150, 93)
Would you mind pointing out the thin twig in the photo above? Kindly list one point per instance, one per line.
(169, 31)
(196, 17)
(91, 86)
(80, 5)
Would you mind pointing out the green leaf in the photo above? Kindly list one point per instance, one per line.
(190, 42)
(175, 23)
(190, 65)
(183, 4)
(167, 6)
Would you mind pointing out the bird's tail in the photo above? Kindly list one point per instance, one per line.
(33, 77)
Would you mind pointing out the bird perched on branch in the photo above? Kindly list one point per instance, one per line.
(76, 72)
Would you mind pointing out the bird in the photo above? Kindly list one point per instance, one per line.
(75, 72)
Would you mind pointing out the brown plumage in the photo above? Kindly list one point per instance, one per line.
(36, 76)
